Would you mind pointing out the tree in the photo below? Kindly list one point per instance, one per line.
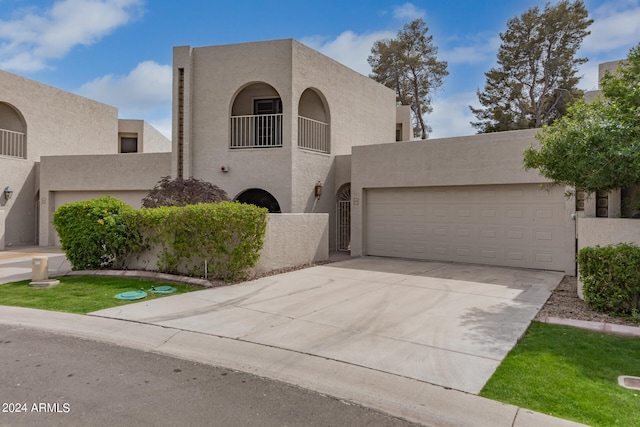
(596, 146)
(408, 64)
(536, 77)
(182, 192)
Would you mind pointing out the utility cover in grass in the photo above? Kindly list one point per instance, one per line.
(162, 289)
(132, 295)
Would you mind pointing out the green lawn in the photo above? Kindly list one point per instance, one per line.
(572, 374)
(81, 294)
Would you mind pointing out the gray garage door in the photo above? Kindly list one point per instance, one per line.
(505, 225)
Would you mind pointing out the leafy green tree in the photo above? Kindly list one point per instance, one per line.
(536, 78)
(596, 146)
(408, 64)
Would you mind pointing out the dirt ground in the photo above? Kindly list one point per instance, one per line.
(565, 303)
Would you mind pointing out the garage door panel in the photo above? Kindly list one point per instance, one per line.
(519, 225)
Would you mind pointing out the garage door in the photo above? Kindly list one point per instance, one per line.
(505, 225)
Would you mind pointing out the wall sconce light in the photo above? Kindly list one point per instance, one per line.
(8, 192)
(318, 190)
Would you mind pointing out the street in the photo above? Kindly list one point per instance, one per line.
(52, 380)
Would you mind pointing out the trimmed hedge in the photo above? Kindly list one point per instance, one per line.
(107, 233)
(611, 278)
(227, 235)
(94, 234)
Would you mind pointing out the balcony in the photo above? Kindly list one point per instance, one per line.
(256, 131)
(13, 144)
(313, 135)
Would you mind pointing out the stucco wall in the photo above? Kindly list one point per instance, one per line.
(150, 140)
(214, 75)
(86, 177)
(290, 240)
(494, 158)
(57, 123)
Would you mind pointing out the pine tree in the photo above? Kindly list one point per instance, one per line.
(536, 78)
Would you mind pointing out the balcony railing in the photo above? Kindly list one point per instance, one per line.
(261, 131)
(313, 135)
(13, 144)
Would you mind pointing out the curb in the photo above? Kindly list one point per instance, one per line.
(609, 328)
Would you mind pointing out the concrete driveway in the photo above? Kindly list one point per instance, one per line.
(446, 324)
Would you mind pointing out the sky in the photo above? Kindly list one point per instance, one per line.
(119, 52)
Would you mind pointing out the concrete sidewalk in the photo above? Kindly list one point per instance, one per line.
(15, 262)
(265, 328)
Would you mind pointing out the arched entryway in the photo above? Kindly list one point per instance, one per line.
(13, 132)
(343, 218)
(261, 198)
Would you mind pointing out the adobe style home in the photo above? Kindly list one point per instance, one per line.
(36, 121)
(282, 126)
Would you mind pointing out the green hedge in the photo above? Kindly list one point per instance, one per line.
(105, 233)
(94, 234)
(611, 278)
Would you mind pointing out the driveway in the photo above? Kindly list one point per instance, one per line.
(446, 324)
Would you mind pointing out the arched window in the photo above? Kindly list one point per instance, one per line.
(261, 198)
(13, 132)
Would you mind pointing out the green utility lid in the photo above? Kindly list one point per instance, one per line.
(132, 295)
(162, 289)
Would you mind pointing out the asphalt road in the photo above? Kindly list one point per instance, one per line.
(55, 380)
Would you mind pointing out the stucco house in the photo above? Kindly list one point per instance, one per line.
(37, 121)
(280, 125)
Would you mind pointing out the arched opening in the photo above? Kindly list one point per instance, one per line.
(343, 218)
(261, 198)
(313, 122)
(13, 132)
(256, 117)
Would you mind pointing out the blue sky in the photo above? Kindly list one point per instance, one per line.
(119, 51)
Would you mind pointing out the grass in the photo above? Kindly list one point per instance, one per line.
(81, 294)
(572, 374)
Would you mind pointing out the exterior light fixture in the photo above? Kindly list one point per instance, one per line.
(8, 192)
(318, 190)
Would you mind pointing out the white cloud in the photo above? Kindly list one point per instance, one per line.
(482, 48)
(349, 48)
(143, 92)
(408, 11)
(616, 25)
(451, 115)
(35, 36)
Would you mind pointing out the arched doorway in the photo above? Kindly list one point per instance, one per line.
(261, 198)
(343, 218)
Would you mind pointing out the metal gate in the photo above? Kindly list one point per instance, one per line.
(343, 216)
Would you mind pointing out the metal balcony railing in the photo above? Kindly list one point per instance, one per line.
(313, 135)
(13, 144)
(260, 131)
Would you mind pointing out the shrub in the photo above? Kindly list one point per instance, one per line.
(611, 278)
(94, 233)
(183, 192)
(227, 235)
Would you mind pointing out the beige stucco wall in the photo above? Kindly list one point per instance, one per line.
(403, 120)
(150, 140)
(294, 239)
(126, 176)
(290, 240)
(494, 158)
(57, 122)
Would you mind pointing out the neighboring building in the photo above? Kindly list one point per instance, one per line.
(37, 120)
